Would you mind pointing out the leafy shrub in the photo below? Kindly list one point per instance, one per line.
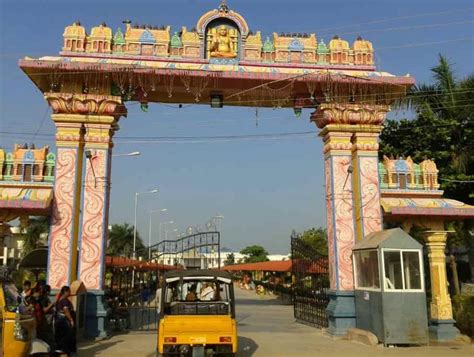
(463, 306)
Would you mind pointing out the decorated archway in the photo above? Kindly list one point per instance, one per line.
(219, 63)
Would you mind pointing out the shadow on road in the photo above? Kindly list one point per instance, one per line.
(258, 301)
(247, 347)
(95, 347)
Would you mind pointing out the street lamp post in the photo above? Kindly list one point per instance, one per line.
(135, 229)
(149, 229)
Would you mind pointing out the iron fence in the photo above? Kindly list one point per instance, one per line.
(131, 291)
(310, 283)
(195, 251)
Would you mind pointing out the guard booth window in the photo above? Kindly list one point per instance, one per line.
(367, 269)
(402, 270)
(412, 272)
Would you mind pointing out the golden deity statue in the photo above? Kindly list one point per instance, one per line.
(222, 43)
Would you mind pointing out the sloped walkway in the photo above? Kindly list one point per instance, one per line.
(267, 329)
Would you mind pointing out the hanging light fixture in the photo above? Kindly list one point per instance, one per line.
(217, 101)
(297, 112)
(144, 106)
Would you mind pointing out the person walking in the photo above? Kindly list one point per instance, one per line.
(48, 310)
(65, 324)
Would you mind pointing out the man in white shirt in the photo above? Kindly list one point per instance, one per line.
(208, 292)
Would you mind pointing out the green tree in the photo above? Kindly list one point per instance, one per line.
(121, 241)
(443, 130)
(230, 259)
(254, 254)
(32, 238)
(317, 239)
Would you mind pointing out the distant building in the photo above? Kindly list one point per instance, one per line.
(192, 260)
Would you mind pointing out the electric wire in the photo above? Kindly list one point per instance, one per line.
(457, 181)
(434, 108)
(470, 102)
(405, 17)
(406, 28)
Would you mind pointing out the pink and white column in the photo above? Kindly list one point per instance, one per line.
(63, 238)
(352, 195)
(83, 121)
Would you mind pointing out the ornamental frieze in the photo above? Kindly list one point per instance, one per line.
(339, 146)
(366, 146)
(68, 133)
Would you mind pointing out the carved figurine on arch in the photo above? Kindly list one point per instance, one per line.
(222, 41)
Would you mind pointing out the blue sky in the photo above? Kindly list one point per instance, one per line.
(264, 188)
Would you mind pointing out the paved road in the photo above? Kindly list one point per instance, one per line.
(267, 329)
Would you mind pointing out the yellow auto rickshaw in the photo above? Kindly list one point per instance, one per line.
(18, 329)
(197, 314)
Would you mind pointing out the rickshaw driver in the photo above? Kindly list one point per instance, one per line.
(191, 296)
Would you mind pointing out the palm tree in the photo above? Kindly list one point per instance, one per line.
(32, 238)
(442, 130)
(448, 103)
(121, 241)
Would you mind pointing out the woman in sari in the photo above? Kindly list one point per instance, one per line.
(65, 323)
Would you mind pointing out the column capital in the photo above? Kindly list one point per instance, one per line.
(366, 142)
(349, 114)
(99, 130)
(337, 142)
(433, 237)
(86, 104)
(69, 130)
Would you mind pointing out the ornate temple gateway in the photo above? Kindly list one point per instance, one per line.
(219, 62)
(219, 58)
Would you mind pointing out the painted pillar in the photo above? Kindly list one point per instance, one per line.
(350, 134)
(82, 119)
(367, 210)
(339, 201)
(340, 218)
(63, 237)
(441, 313)
(95, 214)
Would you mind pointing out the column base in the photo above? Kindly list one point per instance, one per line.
(443, 330)
(341, 312)
(96, 317)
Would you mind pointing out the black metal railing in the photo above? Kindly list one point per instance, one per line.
(310, 283)
(195, 251)
(131, 290)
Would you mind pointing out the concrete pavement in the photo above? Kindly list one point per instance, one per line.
(267, 329)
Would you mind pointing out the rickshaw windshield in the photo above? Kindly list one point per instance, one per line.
(11, 297)
(197, 296)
